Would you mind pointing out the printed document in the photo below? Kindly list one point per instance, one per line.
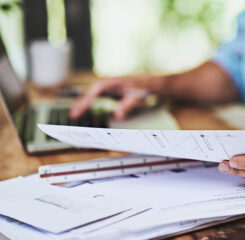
(191, 194)
(52, 208)
(213, 146)
(176, 201)
(15, 230)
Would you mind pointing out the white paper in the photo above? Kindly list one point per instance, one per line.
(15, 230)
(176, 196)
(52, 208)
(180, 201)
(200, 145)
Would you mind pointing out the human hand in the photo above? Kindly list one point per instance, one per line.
(134, 91)
(236, 166)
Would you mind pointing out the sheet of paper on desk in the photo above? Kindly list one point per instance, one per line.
(200, 145)
(176, 196)
(178, 201)
(52, 208)
(15, 230)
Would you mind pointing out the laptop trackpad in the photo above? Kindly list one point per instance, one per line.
(152, 120)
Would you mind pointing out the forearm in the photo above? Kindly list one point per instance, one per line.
(208, 83)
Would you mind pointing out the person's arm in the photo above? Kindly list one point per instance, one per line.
(208, 83)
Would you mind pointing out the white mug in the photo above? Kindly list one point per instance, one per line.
(50, 64)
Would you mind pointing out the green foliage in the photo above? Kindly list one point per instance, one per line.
(180, 14)
(56, 21)
(12, 34)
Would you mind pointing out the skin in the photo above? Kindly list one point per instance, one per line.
(208, 83)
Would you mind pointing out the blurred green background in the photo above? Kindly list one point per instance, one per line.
(160, 36)
(129, 36)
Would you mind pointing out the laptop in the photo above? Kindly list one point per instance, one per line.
(24, 116)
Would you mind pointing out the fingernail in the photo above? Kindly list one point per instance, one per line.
(224, 168)
(233, 162)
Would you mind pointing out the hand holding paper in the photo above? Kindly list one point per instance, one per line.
(236, 166)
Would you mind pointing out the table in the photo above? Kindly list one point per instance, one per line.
(14, 160)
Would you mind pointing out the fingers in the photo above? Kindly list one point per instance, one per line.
(131, 99)
(238, 162)
(81, 104)
(226, 168)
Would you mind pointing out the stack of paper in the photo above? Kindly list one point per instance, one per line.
(54, 209)
(141, 206)
(130, 207)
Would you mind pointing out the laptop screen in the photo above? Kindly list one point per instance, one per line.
(11, 88)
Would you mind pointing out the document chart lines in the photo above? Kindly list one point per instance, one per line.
(183, 141)
(200, 147)
(206, 142)
(183, 147)
(158, 140)
(222, 145)
(118, 137)
(134, 136)
(83, 135)
(114, 136)
(98, 132)
(166, 139)
(148, 139)
(206, 145)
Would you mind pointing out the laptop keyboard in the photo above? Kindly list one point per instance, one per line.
(29, 124)
(60, 116)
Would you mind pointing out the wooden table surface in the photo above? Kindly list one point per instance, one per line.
(14, 161)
